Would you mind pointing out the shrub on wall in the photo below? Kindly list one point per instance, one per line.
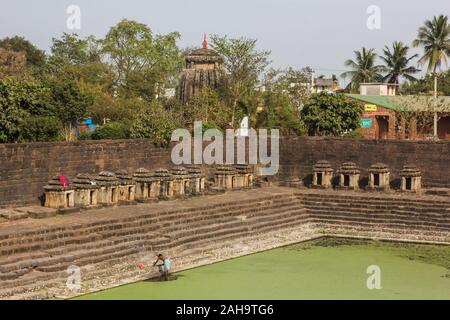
(112, 131)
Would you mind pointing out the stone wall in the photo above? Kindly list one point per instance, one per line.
(433, 158)
(25, 168)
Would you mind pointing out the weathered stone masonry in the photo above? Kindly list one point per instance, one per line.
(26, 168)
(298, 156)
(108, 243)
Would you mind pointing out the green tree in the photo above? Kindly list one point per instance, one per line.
(20, 99)
(434, 37)
(397, 63)
(207, 106)
(290, 81)
(143, 62)
(329, 114)
(12, 64)
(244, 66)
(70, 104)
(34, 56)
(284, 96)
(156, 124)
(280, 112)
(40, 128)
(364, 68)
(425, 85)
(76, 59)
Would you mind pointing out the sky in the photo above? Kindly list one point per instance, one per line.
(317, 33)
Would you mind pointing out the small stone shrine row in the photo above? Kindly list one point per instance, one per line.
(110, 189)
(349, 174)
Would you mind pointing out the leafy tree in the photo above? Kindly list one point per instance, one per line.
(244, 65)
(284, 96)
(329, 114)
(69, 102)
(70, 48)
(290, 81)
(364, 68)
(34, 56)
(20, 99)
(107, 108)
(425, 85)
(11, 116)
(12, 64)
(434, 36)
(40, 128)
(207, 106)
(280, 112)
(155, 123)
(76, 59)
(143, 62)
(397, 63)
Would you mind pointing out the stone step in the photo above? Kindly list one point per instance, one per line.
(174, 214)
(59, 262)
(443, 220)
(371, 222)
(372, 202)
(363, 198)
(393, 233)
(411, 215)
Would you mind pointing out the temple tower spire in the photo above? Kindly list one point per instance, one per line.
(205, 42)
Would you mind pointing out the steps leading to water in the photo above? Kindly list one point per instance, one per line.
(107, 244)
(386, 216)
(44, 254)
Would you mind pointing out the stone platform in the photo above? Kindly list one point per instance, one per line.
(107, 244)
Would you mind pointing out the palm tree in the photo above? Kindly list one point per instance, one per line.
(397, 62)
(364, 68)
(434, 37)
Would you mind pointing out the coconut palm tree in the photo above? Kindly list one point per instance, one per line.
(434, 37)
(364, 68)
(397, 63)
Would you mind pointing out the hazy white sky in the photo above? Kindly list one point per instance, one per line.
(317, 33)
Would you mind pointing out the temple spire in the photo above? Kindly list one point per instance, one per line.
(205, 42)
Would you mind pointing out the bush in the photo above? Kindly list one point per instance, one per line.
(156, 124)
(85, 136)
(112, 131)
(40, 128)
(326, 114)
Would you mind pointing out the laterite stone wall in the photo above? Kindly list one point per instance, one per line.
(25, 168)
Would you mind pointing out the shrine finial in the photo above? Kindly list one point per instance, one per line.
(205, 42)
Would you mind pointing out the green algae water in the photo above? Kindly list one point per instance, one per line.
(326, 268)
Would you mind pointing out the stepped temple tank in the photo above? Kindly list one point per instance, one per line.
(204, 68)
